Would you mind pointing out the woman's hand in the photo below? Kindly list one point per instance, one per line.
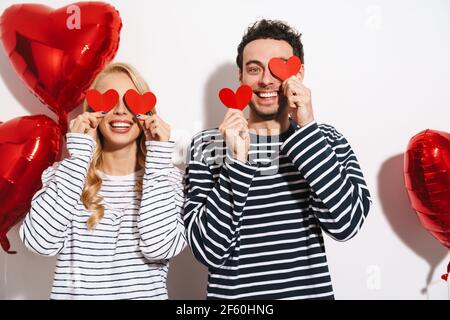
(87, 123)
(154, 127)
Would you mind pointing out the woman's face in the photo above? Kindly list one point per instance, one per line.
(119, 127)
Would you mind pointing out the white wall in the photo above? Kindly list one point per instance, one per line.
(378, 71)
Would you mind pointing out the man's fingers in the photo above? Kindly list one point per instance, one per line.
(234, 118)
(231, 113)
(293, 86)
(237, 124)
(244, 133)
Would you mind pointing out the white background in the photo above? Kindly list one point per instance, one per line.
(379, 72)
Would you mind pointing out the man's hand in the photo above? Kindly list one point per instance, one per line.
(234, 130)
(298, 100)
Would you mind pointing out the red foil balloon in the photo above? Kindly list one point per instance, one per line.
(58, 53)
(427, 179)
(28, 145)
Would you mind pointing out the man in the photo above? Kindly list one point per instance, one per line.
(260, 191)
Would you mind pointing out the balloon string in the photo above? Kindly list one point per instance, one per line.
(62, 120)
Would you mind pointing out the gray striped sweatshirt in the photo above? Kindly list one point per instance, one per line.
(127, 255)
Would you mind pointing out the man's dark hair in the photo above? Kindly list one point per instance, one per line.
(271, 29)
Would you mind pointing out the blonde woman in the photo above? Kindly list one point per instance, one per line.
(111, 211)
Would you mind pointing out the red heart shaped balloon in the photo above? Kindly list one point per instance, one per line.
(58, 53)
(427, 179)
(285, 69)
(238, 100)
(28, 145)
(139, 104)
(102, 102)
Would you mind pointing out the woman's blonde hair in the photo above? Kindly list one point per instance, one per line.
(90, 197)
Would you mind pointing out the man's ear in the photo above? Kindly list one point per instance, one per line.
(240, 76)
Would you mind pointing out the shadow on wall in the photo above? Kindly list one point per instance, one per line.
(225, 76)
(402, 217)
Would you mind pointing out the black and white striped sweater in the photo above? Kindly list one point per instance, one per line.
(258, 226)
(126, 255)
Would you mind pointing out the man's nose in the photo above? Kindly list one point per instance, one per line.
(266, 78)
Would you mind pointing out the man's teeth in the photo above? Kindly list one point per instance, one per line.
(267, 94)
(120, 125)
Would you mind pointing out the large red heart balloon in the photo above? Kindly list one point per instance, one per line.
(238, 100)
(427, 179)
(58, 53)
(28, 145)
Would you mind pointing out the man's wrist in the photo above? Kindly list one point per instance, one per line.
(305, 122)
(242, 158)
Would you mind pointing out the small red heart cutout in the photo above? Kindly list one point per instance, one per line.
(102, 102)
(238, 100)
(285, 69)
(140, 104)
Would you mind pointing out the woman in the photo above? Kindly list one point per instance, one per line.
(112, 211)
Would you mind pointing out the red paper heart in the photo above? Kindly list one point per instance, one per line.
(28, 145)
(140, 104)
(102, 102)
(427, 179)
(238, 100)
(285, 69)
(57, 58)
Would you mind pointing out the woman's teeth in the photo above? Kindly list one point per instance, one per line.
(267, 94)
(120, 125)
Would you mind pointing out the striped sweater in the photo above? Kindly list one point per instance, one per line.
(257, 226)
(126, 255)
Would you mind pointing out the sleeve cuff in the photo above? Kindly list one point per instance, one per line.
(245, 168)
(80, 144)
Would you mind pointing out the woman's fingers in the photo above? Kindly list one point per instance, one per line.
(86, 121)
(154, 127)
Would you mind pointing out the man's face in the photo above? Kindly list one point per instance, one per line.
(267, 101)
